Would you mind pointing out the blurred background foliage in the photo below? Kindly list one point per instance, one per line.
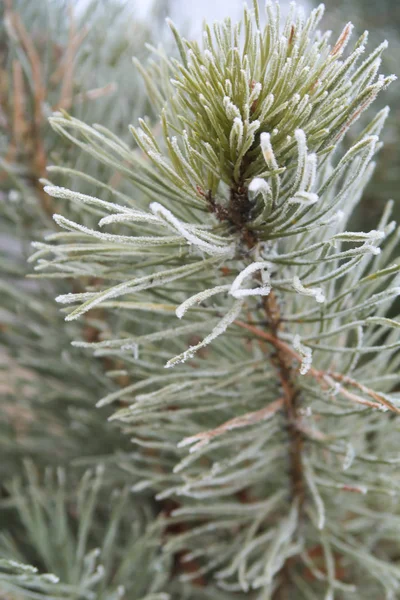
(54, 57)
(62, 56)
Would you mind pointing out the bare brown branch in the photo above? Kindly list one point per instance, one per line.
(284, 368)
(326, 378)
(245, 420)
(39, 159)
(20, 126)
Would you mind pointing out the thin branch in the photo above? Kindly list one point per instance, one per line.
(284, 369)
(325, 377)
(39, 89)
(245, 420)
(39, 96)
(74, 41)
(95, 93)
(19, 123)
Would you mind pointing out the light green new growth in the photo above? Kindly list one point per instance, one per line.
(252, 337)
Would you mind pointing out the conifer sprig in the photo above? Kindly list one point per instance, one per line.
(232, 216)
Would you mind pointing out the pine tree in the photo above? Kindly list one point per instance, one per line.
(264, 462)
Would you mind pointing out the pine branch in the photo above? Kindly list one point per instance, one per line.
(232, 215)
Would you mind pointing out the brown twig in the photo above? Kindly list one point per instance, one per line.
(38, 86)
(326, 378)
(74, 41)
(250, 418)
(284, 368)
(39, 94)
(59, 73)
(99, 92)
(19, 124)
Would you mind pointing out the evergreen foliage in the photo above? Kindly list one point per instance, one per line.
(59, 529)
(265, 462)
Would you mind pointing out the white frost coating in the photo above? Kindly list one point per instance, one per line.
(359, 236)
(267, 151)
(158, 158)
(368, 238)
(295, 99)
(212, 249)
(260, 186)
(256, 91)
(266, 105)
(317, 293)
(14, 196)
(335, 218)
(197, 298)
(301, 174)
(373, 249)
(350, 455)
(238, 292)
(135, 350)
(100, 571)
(304, 198)
(22, 566)
(190, 440)
(71, 297)
(65, 194)
(109, 237)
(231, 109)
(136, 216)
(236, 131)
(147, 142)
(220, 328)
(50, 578)
(312, 163)
(209, 56)
(305, 353)
(185, 164)
(135, 285)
